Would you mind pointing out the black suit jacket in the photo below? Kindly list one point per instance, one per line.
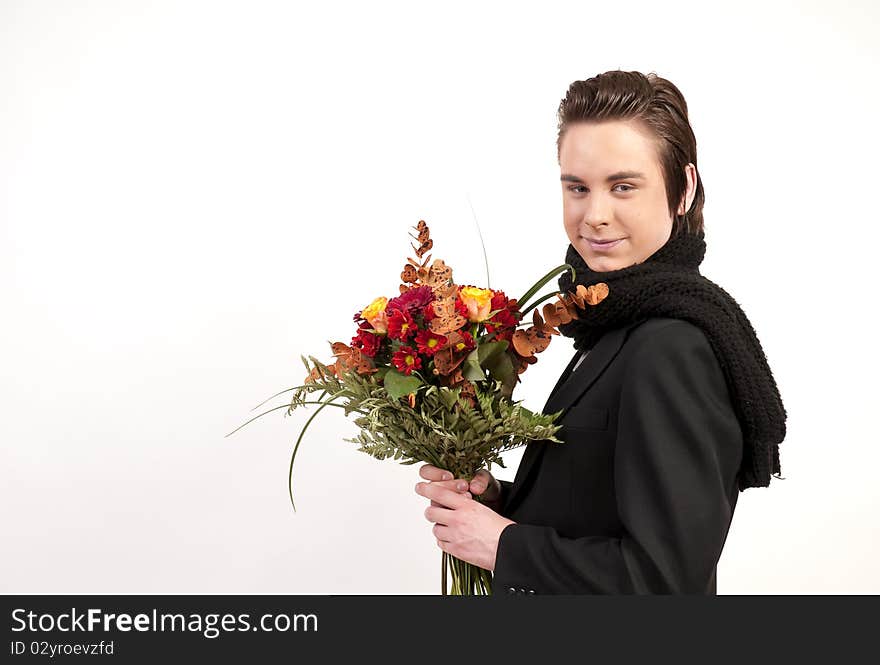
(640, 495)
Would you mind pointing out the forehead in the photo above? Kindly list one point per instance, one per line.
(605, 147)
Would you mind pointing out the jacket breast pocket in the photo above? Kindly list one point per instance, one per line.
(586, 417)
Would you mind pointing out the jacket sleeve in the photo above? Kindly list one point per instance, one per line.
(505, 490)
(677, 453)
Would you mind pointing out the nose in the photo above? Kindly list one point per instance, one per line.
(591, 226)
(596, 213)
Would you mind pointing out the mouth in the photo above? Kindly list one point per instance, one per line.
(603, 245)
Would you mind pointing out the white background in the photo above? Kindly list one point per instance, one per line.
(193, 194)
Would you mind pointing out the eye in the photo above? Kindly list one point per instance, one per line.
(574, 188)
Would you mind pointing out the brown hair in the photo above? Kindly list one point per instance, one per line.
(658, 106)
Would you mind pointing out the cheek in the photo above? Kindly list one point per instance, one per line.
(571, 217)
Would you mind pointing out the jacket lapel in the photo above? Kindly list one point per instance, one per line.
(565, 374)
(571, 385)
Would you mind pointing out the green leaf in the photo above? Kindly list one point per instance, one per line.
(489, 350)
(493, 313)
(501, 367)
(481, 358)
(538, 302)
(541, 282)
(299, 440)
(471, 370)
(399, 385)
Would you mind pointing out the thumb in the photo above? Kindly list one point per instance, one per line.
(479, 483)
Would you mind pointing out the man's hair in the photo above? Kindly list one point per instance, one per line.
(657, 106)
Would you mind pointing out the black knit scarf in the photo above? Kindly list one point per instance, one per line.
(669, 284)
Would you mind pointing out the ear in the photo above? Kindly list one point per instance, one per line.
(690, 192)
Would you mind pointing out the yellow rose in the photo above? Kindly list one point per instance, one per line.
(375, 314)
(478, 302)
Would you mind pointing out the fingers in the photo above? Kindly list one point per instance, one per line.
(481, 481)
(444, 479)
(467, 494)
(431, 472)
(442, 495)
(439, 514)
(455, 485)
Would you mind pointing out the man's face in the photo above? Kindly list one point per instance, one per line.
(612, 189)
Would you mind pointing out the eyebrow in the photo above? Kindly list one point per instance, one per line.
(620, 175)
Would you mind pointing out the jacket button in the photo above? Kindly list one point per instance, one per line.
(531, 591)
(521, 590)
(511, 590)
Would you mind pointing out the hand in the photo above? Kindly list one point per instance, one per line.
(443, 479)
(483, 484)
(464, 528)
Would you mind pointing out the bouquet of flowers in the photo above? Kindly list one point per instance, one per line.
(430, 374)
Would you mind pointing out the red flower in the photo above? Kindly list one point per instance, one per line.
(429, 342)
(367, 341)
(466, 344)
(501, 333)
(401, 325)
(412, 300)
(406, 360)
(499, 300)
(503, 319)
(428, 312)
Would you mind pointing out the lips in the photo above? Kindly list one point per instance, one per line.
(602, 246)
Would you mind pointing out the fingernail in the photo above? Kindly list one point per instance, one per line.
(462, 486)
(447, 476)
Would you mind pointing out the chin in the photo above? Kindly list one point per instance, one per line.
(602, 263)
